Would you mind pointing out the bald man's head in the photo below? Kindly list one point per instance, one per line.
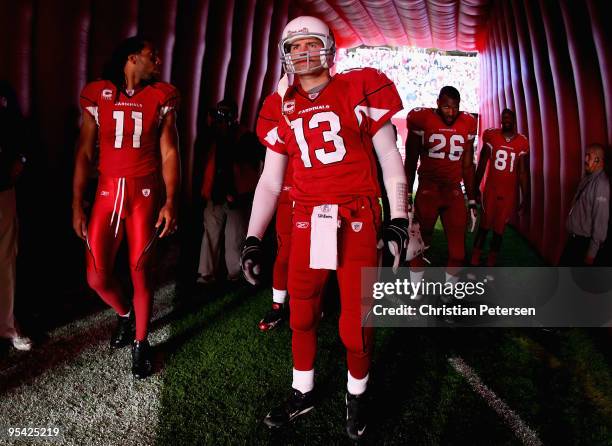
(594, 158)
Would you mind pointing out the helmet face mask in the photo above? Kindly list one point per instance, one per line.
(307, 28)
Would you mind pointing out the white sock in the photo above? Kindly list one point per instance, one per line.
(449, 278)
(303, 380)
(279, 296)
(356, 386)
(416, 276)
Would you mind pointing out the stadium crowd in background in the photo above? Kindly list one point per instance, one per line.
(419, 73)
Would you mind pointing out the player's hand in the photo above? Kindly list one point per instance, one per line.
(250, 260)
(473, 214)
(167, 217)
(79, 222)
(395, 236)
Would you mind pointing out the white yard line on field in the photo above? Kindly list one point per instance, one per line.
(527, 435)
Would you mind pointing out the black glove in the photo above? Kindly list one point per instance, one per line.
(250, 260)
(395, 236)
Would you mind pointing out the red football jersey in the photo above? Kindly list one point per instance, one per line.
(442, 145)
(504, 158)
(267, 129)
(329, 138)
(129, 126)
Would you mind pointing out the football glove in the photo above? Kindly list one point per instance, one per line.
(395, 236)
(473, 214)
(250, 260)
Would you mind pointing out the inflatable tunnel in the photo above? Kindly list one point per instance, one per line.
(549, 60)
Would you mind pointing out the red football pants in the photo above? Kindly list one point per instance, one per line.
(284, 213)
(433, 200)
(497, 207)
(134, 202)
(357, 240)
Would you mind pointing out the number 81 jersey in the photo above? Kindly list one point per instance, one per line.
(328, 135)
(442, 145)
(128, 126)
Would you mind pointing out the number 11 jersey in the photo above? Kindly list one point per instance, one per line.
(328, 135)
(129, 126)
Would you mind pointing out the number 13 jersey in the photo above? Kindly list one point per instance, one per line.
(328, 135)
(129, 126)
(442, 145)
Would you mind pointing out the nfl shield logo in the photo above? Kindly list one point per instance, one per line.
(146, 192)
(356, 225)
(326, 208)
(289, 107)
(107, 94)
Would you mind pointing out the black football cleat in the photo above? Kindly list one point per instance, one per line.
(141, 359)
(273, 317)
(356, 416)
(297, 404)
(124, 331)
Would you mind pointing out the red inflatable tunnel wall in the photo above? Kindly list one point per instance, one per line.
(550, 61)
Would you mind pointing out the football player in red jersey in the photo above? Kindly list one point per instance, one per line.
(330, 128)
(132, 117)
(443, 140)
(503, 155)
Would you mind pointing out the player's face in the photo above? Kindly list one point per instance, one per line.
(148, 62)
(507, 122)
(301, 49)
(448, 109)
(591, 160)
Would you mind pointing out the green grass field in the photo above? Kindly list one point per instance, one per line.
(217, 376)
(223, 380)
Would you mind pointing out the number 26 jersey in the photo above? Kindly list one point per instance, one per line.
(328, 135)
(442, 145)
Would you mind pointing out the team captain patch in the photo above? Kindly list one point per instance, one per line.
(289, 107)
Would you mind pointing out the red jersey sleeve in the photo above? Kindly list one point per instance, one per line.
(171, 98)
(90, 96)
(415, 121)
(486, 140)
(378, 98)
(268, 123)
(524, 146)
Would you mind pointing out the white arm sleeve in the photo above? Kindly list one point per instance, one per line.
(393, 173)
(266, 193)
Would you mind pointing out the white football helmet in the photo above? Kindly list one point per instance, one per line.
(416, 246)
(302, 28)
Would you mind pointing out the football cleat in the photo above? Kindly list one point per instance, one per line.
(141, 359)
(297, 404)
(22, 343)
(273, 317)
(355, 416)
(124, 331)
